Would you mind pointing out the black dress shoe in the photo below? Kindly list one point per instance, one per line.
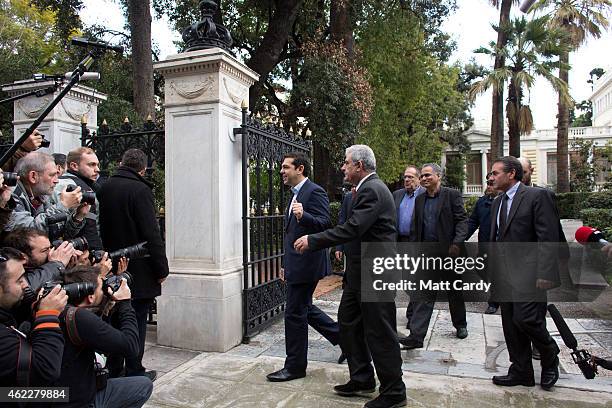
(342, 358)
(385, 401)
(284, 375)
(410, 343)
(491, 310)
(512, 380)
(550, 375)
(462, 332)
(355, 388)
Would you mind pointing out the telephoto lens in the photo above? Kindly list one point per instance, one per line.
(79, 243)
(132, 252)
(76, 290)
(10, 179)
(89, 197)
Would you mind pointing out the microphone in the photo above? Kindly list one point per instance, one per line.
(586, 235)
(526, 5)
(84, 42)
(85, 76)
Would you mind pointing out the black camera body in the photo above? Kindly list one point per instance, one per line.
(44, 142)
(76, 290)
(79, 243)
(114, 282)
(89, 197)
(10, 179)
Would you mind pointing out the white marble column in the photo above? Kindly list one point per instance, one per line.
(62, 127)
(201, 303)
(484, 169)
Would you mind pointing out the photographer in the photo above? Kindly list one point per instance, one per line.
(83, 171)
(43, 262)
(85, 332)
(45, 339)
(37, 178)
(7, 204)
(31, 144)
(60, 162)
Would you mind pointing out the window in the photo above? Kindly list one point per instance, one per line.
(474, 169)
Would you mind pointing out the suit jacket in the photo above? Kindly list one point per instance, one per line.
(452, 227)
(310, 266)
(372, 218)
(345, 208)
(532, 218)
(398, 196)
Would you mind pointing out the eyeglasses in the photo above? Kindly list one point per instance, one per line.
(424, 175)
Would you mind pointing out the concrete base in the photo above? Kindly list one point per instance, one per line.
(201, 312)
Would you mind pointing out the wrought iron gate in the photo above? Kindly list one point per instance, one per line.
(263, 206)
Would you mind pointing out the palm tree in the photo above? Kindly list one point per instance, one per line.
(497, 103)
(579, 19)
(530, 51)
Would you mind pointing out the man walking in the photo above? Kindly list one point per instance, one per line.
(307, 212)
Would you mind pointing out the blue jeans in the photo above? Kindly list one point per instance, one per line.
(128, 392)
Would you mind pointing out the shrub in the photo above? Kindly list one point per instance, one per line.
(570, 204)
(599, 218)
(602, 199)
(469, 203)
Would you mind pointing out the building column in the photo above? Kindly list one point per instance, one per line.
(484, 168)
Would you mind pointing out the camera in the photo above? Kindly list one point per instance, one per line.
(76, 290)
(55, 218)
(44, 142)
(10, 179)
(89, 197)
(114, 282)
(79, 243)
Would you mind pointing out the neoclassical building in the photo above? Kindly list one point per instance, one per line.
(541, 145)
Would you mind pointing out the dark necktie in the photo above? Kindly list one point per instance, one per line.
(503, 215)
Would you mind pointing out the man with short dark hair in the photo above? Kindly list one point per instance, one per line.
(307, 212)
(524, 214)
(83, 171)
(45, 339)
(85, 333)
(60, 162)
(128, 217)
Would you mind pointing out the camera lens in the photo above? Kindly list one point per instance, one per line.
(10, 179)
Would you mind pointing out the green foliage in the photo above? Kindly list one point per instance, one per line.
(598, 218)
(570, 204)
(334, 209)
(602, 199)
(583, 170)
(454, 174)
(585, 118)
(469, 203)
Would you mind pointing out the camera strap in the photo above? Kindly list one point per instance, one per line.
(23, 360)
(71, 328)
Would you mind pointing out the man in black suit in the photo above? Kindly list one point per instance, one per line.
(404, 203)
(439, 217)
(307, 213)
(524, 214)
(367, 329)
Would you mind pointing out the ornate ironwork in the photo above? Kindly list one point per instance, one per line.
(110, 145)
(206, 33)
(264, 201)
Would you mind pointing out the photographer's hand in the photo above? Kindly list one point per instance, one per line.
(122, 265)
(105, 264)
(62, 253)
(123, 293)
(55, 300)
(32, 142)
(71, 199)
(81, 211)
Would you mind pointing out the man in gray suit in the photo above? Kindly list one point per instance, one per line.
(367, 329)
(523, 214)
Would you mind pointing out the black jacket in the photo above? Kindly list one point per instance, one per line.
(127, 217)
(480, 219)
(96, 335)
(47, 347)
(372, 218)
(451, 222)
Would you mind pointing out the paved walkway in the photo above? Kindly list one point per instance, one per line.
(448, 372)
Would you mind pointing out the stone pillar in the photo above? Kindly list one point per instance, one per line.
(62, 126)
(201, 304)
(484, 169)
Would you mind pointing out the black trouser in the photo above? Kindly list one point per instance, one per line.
(525, 323)
(299, 313)
(368, 332)
(422, 311)
(133, 366)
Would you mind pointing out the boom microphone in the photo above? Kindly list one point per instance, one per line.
(526, 5)
(586, 235)
(84, 42)
(85, 76)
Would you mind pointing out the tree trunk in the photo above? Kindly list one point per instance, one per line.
(139, 19)
(268, 54)
(513, 111)
(497, 108)
(563, 185)
(340, 24)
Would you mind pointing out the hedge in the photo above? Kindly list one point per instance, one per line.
(598, 218)
(570, 204)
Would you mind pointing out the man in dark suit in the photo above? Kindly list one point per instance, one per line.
(367, 329)
(345, 207)
(404, 203)
(127, 217)
(524, 214)
(439, 217)
(307, 213)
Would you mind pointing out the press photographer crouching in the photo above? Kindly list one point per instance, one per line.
(85, 332)
(83, 169)
(37, 178)
(44, 344)
(43, 262)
